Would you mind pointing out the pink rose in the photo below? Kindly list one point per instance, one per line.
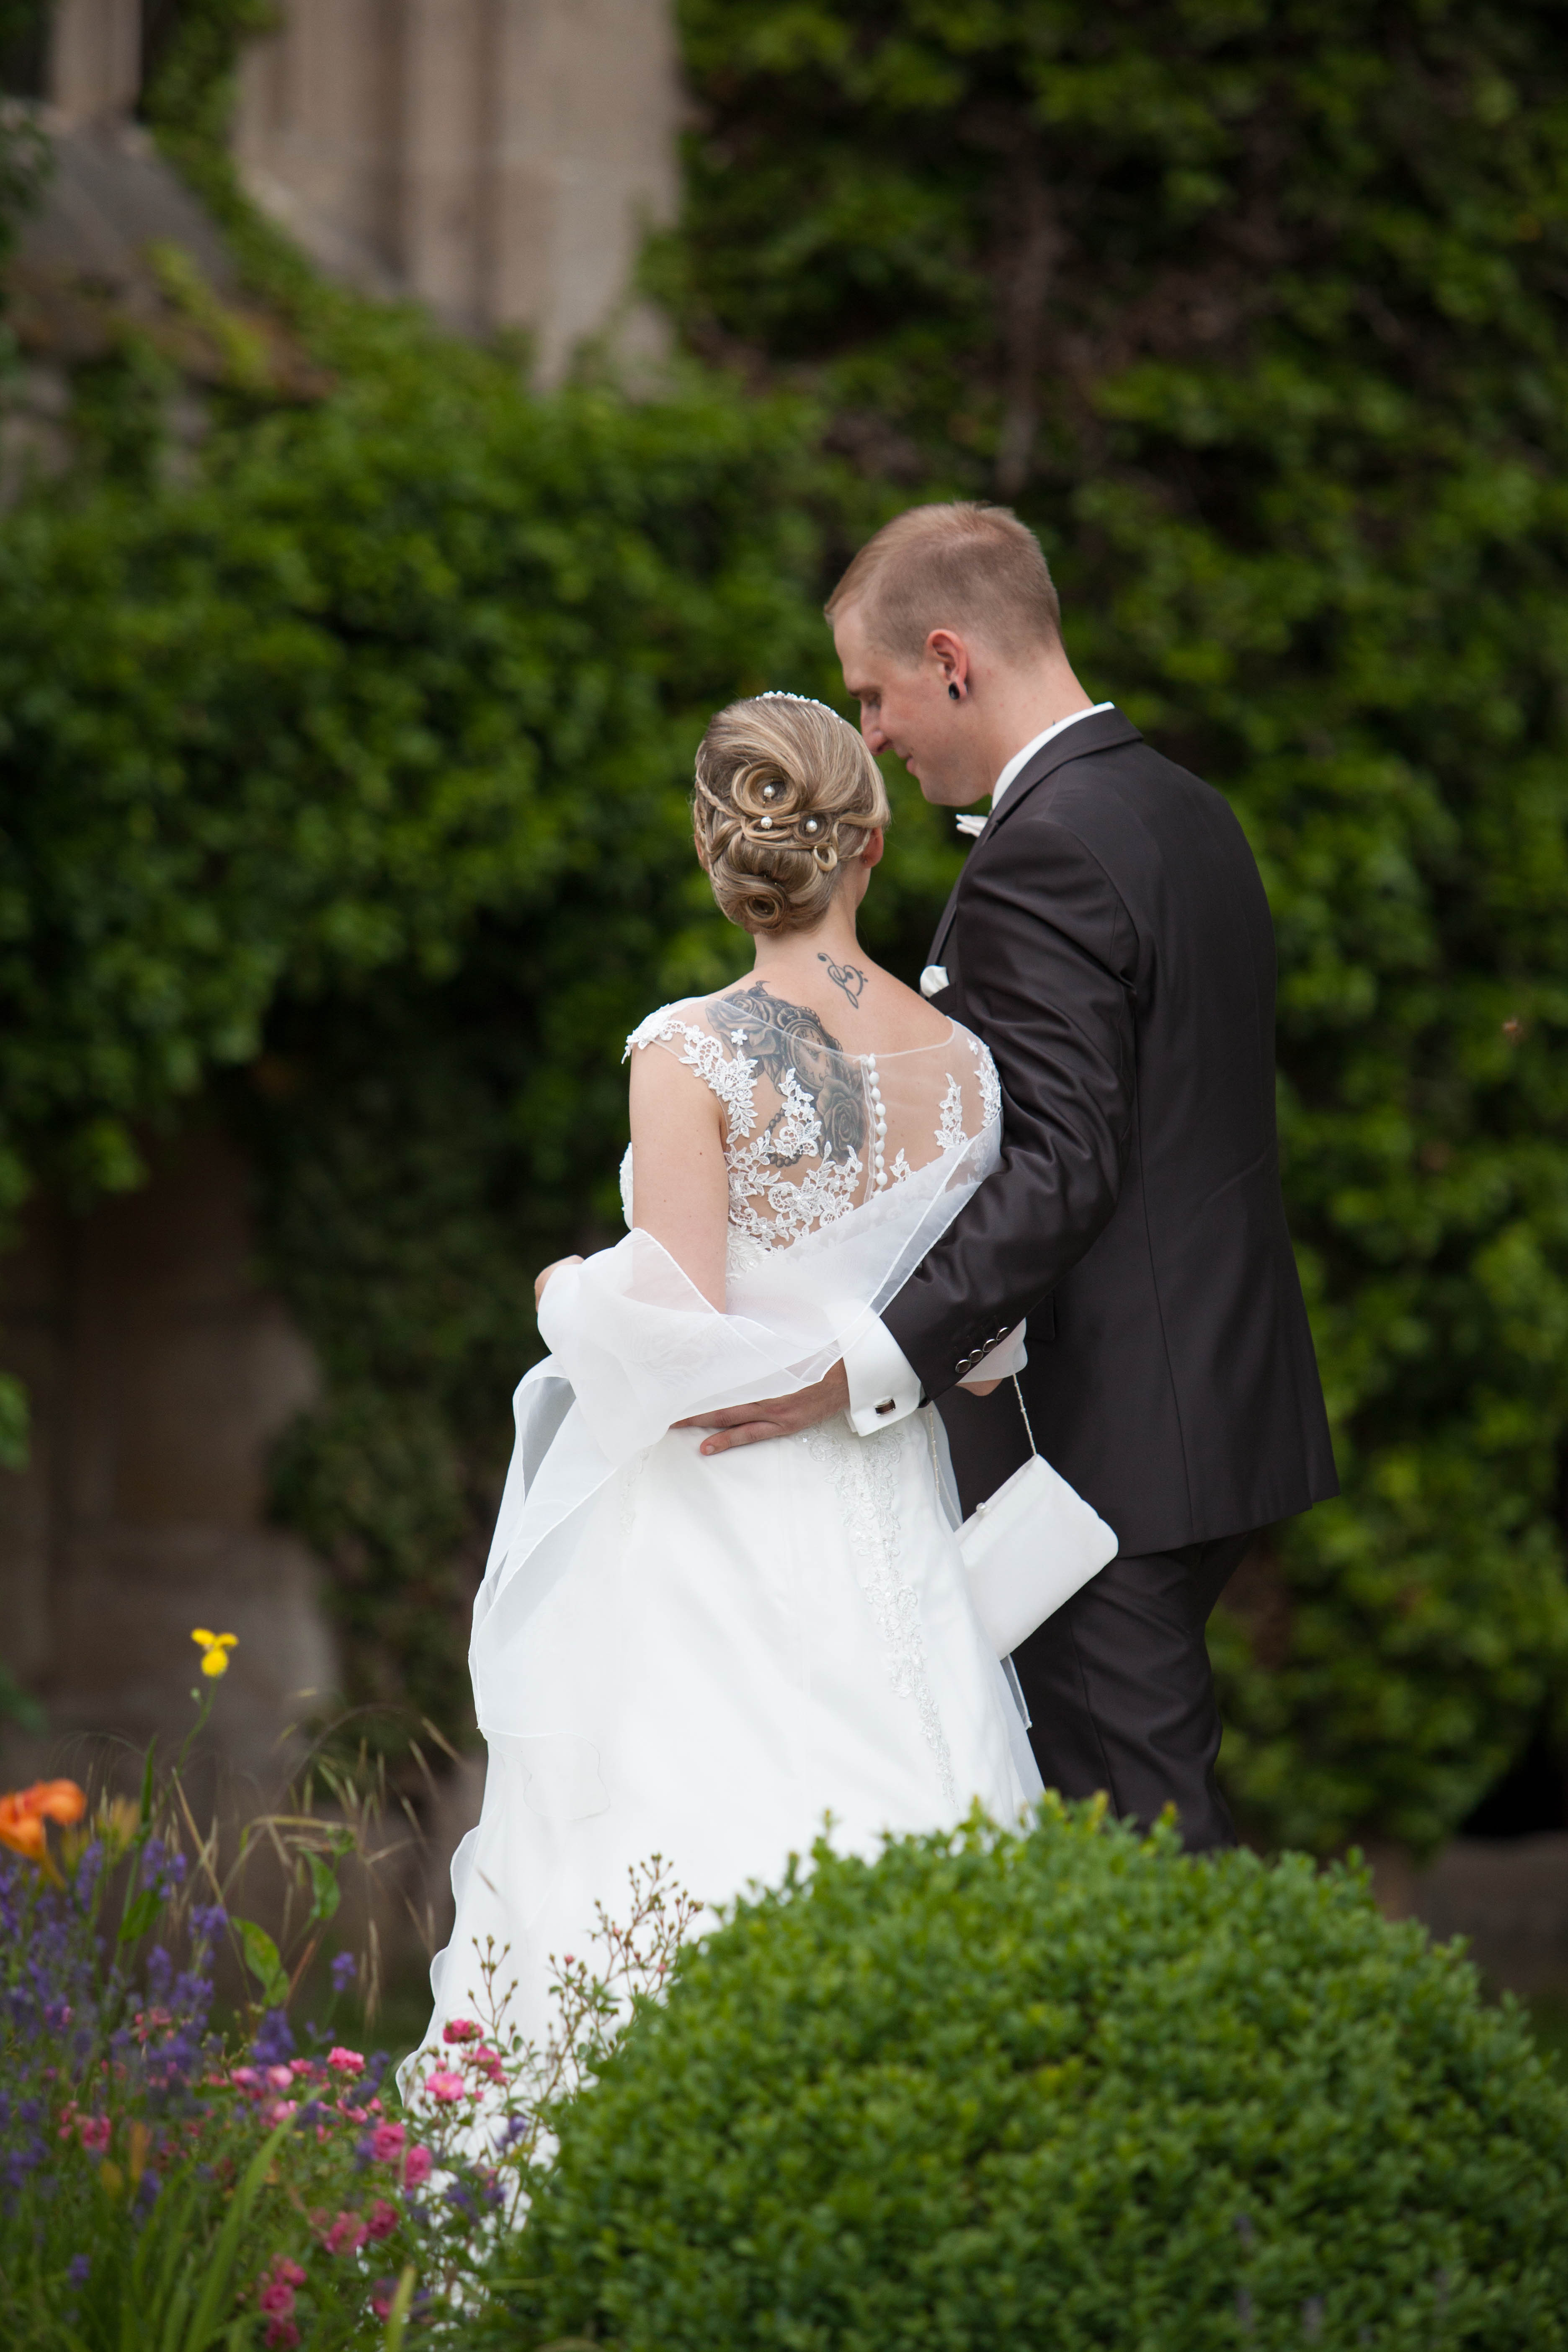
(95, 2130)
(246, 2078)
(347, 2062)
(444, 2085)
(417, 2167)
(383, 2219)
(281, 2078)
(386, 2142)
(459, 2029)
(347, 2234)
(281, 2335)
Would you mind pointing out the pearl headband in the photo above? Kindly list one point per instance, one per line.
(783, 694)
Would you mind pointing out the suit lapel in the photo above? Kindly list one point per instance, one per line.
(1101, 733)
(939, 940)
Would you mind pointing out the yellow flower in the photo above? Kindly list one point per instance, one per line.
(215, 1649)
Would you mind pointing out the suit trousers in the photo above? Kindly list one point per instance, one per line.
(1119, 1687)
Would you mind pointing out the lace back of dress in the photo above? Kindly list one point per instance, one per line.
(812, 1132)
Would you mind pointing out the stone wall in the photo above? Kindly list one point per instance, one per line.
(500, 160)
(161, 1370)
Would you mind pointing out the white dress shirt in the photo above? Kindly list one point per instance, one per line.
(883, 1384)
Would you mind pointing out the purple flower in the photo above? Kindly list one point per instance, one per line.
(344, 1971)
(78, 2269)
(208, 1921)
(162, 1866)
(274, 2041)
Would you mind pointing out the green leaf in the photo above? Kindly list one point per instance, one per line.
(205, 2325)
(262, 1958)
(141, 1913)
(15, 1415)
(326, 1894)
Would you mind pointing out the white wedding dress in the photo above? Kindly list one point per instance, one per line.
(702, 1658)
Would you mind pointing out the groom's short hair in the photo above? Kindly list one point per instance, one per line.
(959, 566)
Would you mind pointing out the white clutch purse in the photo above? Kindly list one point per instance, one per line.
(1029, 1548)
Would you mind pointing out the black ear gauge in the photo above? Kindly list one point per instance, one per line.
(954, 695)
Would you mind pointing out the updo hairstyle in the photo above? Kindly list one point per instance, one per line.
(786, 792)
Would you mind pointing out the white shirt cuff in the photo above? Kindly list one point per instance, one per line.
(883, 1384)
(1008, 1356)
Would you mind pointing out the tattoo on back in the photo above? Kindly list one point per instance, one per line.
(791, 1040)
(847, 976)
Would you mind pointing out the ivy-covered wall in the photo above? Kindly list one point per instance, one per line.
(348, 777)
(1255, 309)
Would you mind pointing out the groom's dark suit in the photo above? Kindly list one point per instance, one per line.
(1109, 940)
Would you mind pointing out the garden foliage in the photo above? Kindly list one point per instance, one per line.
(1058, 2089)
(176, 2172)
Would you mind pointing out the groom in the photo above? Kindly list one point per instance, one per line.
(1110, 940)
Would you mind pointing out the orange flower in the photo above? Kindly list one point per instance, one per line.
(24, 1811)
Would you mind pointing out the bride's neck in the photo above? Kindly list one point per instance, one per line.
(833, 938)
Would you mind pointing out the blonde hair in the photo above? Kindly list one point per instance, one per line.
(959, 566)
(786, 792)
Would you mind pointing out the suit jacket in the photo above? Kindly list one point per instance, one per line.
(1110, 940)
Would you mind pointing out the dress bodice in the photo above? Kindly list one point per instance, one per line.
(810, 1131)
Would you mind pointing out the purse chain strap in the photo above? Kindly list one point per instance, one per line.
(930, 1431)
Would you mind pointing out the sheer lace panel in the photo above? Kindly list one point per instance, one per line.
(810, 1131)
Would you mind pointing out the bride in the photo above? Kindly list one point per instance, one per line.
(700, 1654)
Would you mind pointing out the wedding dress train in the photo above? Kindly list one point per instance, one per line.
(704, 1657)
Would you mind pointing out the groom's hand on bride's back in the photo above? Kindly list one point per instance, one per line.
(750, 1424)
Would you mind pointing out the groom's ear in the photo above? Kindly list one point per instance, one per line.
(947, 650)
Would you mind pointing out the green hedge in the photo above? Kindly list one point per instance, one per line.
(361, 765)
(1060, 2090)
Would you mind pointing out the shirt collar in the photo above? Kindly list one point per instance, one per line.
(1020, 759)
